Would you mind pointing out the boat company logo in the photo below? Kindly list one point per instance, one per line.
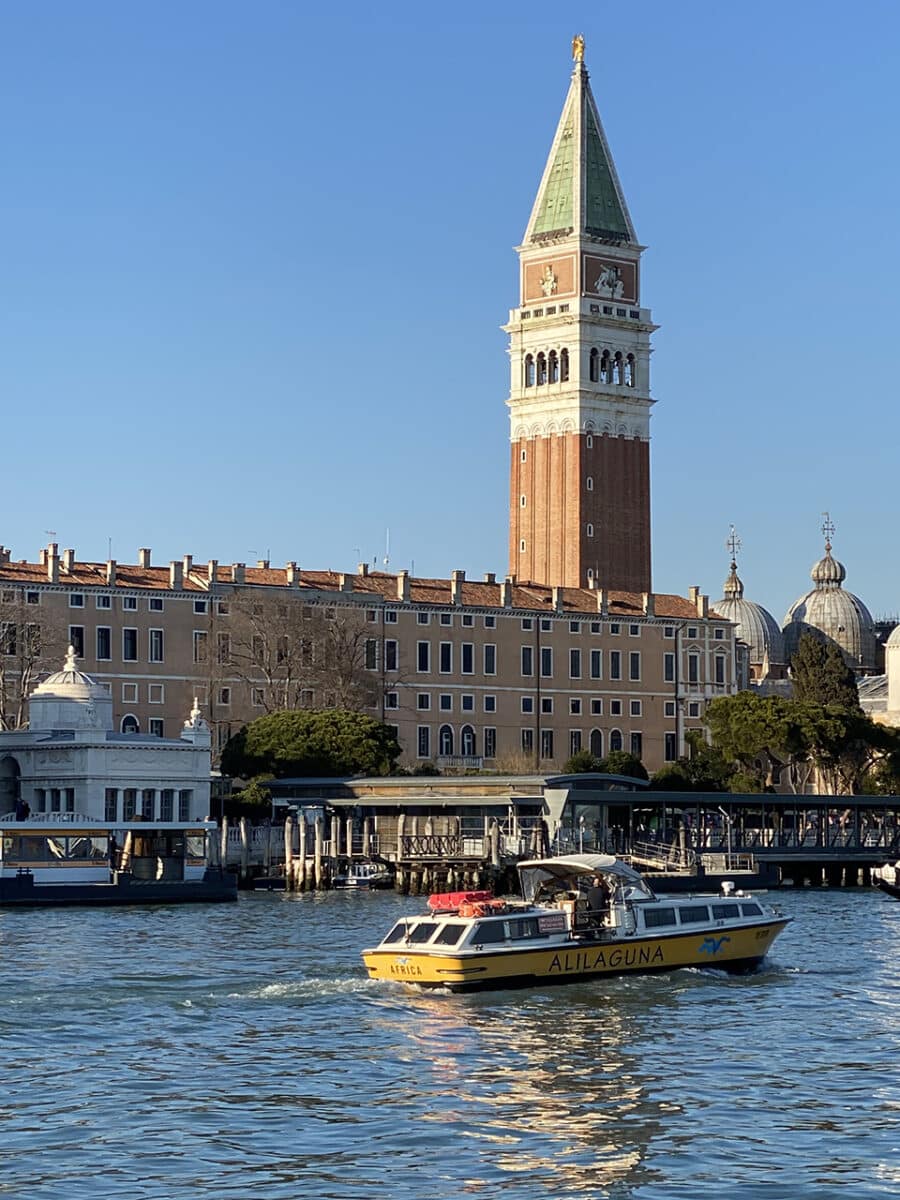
(603, 960)
(712, 946)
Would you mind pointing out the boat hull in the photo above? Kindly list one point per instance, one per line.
(734, 949)
(892, 889)
(22, 892)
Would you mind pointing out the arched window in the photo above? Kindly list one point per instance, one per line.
(445, 741)
(594, 371)
(130, 724)
(617, 368)
(467, 740)
(541, 369)
(523, 500)
(553, 364)
(604, 367)
(590, 574)
(589, 441)
(629, 371)
(597, 743)
(589, 483)
(529, 370)
(615, 740)
(564, 365)
(590, 530)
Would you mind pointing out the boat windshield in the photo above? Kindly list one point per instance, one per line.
(543, 878)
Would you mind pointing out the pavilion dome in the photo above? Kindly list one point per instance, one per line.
(829, 611)
(755, 625)
(70, 699)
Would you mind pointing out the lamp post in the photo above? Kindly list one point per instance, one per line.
(728, 837)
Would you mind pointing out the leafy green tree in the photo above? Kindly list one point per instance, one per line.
(672, 778)
(821, 676)
(581, 763)
(309, 743)
(620, 762)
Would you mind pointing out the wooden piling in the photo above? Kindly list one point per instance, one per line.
(223, 842)
(317, 853)
(367, 837)
(495, 843)
(288, 851)
(301, 868)
(245, 848)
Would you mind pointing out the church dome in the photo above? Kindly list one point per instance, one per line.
(70, 699)
(831, 612)
(756, 626)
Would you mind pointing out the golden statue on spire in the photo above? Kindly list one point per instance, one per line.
(578, 48)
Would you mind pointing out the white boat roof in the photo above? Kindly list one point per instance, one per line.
(566, 866)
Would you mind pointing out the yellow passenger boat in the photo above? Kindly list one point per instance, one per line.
(581, 916)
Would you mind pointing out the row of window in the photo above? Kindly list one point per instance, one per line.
(149, 804)
(156, 642)
(546, 624)
(103, 600)
(447, 745)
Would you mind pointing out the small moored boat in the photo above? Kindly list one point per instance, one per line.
(887, 879)
(581, 916)
(364, 876)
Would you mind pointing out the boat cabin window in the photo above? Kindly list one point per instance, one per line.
(722, 911)
(423, 931)
(41, 848)
(525, 927)
(449, 934)
(398, 933)
(488, 931)
(654, 917)
(751, 910)
(694, 914)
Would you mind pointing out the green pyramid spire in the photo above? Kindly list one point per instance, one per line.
(580, 190)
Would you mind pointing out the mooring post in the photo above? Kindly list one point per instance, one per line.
(245, 847)
(301, 865)
(288, 850)
(348, 836)
(317, 865)
(366, 836)
(267, 851)
(495, 843)
(401, 824)
(223, 842)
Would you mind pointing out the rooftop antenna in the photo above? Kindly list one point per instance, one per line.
(387, 546)
(50, 533)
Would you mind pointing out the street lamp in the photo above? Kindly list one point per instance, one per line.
(728, 836)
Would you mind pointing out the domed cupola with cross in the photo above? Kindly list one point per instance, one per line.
(579, 346)
(833, 614)
(755, 625)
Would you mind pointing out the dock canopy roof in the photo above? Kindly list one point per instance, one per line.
(535, 871)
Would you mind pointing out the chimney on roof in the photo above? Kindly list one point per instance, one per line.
(506, 592)
(262, 564)
(490, 577)
(53, 562)
(212, 569)
(111, 572)
(556, 597)
(403, 586)
(291, 574)
(187, 564)
(648, 603)
(693, 593)
(68, 560)
(4, 554)
(603, 601)
(176, 576)
(457, 578)
(144, 557)
(362, 569)
(42, 558)
(702, 605)
(237, 573)
(345, 581)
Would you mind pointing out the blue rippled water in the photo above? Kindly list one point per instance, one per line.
(240, 1051)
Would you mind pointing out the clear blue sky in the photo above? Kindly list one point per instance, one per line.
(254, 258)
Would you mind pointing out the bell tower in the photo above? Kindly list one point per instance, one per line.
(579, 346)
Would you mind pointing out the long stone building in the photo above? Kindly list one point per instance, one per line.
(471, 673)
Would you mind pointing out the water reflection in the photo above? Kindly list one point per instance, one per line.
(547, 1085)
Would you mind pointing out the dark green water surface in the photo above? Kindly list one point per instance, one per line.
(239, 1051)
